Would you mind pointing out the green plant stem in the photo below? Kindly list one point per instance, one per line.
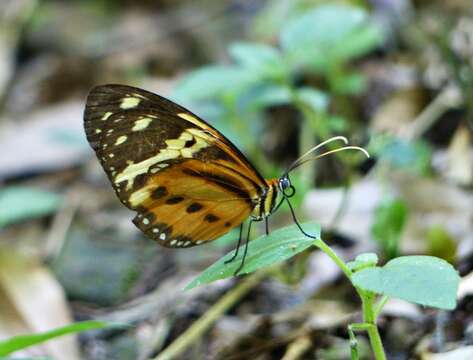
(367, 300)
(379, 306)
(369, 318)
(309, 127)
(306, 141)
(336, 259)
(201, 325)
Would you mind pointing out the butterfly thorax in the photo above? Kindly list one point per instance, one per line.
(266, 200)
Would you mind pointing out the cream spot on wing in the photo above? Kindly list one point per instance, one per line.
(107, 115)
(199, 242)
(104, 146)
(174, 150)
(158, 168)
(121, 140)
(155, 230)
(202, 140)
(133, 170)
(179, 243)
(111, 155)
(138, 196)
(162, 236)
(173, 242)
(141, 124)
(129, 102)
(145, 221)
(187, 243)
(176, 144)
(98, 131)
(192, 119)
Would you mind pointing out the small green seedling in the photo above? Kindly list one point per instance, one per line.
(20, 342)
(424, 280)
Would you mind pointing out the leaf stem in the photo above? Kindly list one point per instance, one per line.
(370, 312)
(379, 306)
(367, 300)
(333, 255)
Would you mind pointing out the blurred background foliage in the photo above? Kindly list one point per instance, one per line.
(276, 77)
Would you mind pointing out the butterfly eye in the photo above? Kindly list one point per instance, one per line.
(286, 187)
(284, 183)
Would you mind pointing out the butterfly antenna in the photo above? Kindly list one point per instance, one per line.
(332, 152)
(302, 160)
(311, 150)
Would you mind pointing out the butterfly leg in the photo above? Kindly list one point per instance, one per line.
(266, 224)
(296, 221)
(245, 251)
(238, 247)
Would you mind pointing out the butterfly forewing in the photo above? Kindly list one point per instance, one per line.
(186, 181)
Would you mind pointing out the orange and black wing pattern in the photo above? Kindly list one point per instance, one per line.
(187, 183)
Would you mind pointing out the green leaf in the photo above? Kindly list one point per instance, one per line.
(23, 341)
(278, 246)
(441, 244)
(262, 60)
(20, 203)
(363, 261)
(358, 43)
(331, 33)
(390, 218)
(269, 95)
(337, 124)
(349, 84)
(226, 240)
(315, 99)
(424, 280)
(211, 82)
(323, 26)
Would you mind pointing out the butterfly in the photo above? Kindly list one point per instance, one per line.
(187, 183)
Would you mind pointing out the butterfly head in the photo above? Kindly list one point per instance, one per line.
(285, 186)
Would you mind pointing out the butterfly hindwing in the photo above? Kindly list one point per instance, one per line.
(184, 206)
(147, 143)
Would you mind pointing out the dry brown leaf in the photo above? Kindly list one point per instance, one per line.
(465, 287)
(31, 300)
(464, 353)
(49, 139)
(460, 156)
(357, 218)
(398, 111)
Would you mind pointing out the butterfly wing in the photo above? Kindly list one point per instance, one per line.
(186, 181)
(190, 204)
